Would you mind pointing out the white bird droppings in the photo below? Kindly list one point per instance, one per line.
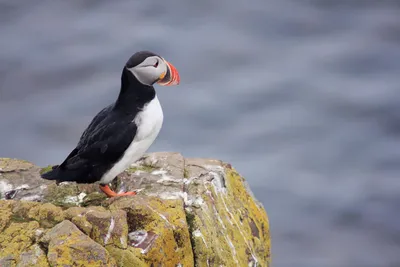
(197, 233)
(110, 229)
(75, 199)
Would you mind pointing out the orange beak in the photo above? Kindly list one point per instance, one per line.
(171, 77)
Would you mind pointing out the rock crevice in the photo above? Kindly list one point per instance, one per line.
(188, 212)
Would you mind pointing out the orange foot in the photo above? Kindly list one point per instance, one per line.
(110, 193)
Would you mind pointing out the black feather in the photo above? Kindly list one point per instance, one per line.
(107, 137)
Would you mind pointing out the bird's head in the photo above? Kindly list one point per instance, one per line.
(149, 68)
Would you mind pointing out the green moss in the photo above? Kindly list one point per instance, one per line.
(18, 218)
(45, 169)
(190, 220)
(185, 173)
(94, 199)
(57, 194)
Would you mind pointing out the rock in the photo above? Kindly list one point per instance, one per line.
(5, 214)
(157, 229)
(188, 212)
(241, 237)
(68, 246)
(109, 227)
(47, 214)
(7, 261)
(35, 256)
(17, 238)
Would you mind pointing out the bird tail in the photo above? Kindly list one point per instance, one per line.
(60, 175)
(53, 174)
(78, 175)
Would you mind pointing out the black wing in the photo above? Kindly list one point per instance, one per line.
(93, 124)
(101, 145)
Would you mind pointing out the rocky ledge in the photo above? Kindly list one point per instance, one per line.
(188, 212)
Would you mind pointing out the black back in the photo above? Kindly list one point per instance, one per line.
(109, 134)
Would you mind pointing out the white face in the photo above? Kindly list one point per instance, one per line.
(150, 70)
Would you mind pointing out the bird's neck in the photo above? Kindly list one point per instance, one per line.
(133, 94)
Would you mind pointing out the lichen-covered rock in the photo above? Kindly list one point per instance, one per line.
(22, 178)
(68, 246)
(158, 230)
(5, 214)
(241, 237)
(47, 214)
(188, 212)
(35, 256)
(109, 227)
(127, 257)
(17, 238)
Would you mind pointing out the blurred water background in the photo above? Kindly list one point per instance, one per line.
(301, 96)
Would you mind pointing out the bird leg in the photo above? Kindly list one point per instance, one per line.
(110, 193)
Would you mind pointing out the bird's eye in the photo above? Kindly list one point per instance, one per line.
(156, 65)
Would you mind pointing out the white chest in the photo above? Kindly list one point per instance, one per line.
(149, 122)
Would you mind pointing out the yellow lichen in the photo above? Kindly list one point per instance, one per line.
(185, 173)
(70, 247)
(224, 226)
(74, 211)
(5, 213)
(126, 257)
(82, 224)
(144, 168)
(254, 215)
(11, 165)
(229, 229)
(165, 218)
(47, 214)
(16, 238)
(35, 256)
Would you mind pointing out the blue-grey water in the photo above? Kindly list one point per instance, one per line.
(301, 96)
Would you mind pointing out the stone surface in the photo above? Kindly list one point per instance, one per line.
(35, 256)
(17, 238)
(68, 246)
(157, 229)
(188, 212)
(109, 227)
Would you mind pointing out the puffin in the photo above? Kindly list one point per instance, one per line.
(121, 133)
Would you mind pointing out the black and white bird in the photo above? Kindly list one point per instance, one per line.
(121, 133)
